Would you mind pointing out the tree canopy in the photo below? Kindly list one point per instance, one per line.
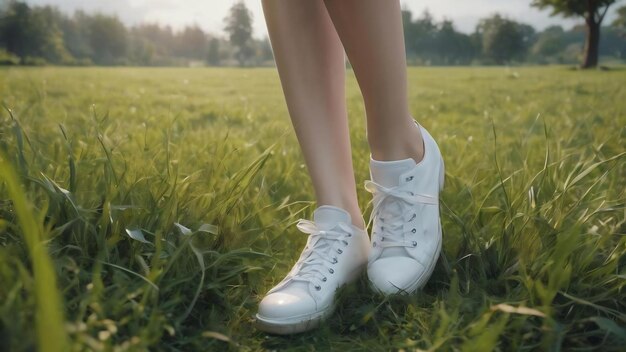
(574, 8)
(239, 29)
(620, 21)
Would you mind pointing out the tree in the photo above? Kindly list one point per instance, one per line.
(239, 29)
(33, 33)
(436, 43)
(503, 40)
(213, 53)
(108, 39)
(75, 36)
(264, 51)
(140, 50)
(593, 11)
(452, 47)
(424, 31)
(613, 43)
(15, 29)
(620, 21)
(529, 35)
(192, 43)
(550, 43)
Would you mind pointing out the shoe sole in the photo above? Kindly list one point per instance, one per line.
(302, 323)
(293, 326)
(423, 279)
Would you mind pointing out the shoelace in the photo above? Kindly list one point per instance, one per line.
(392, 227)
(318, 257)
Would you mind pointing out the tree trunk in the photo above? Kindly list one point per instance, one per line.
(592, 41)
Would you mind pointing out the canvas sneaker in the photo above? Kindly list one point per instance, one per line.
(335, 254)
(406, 229)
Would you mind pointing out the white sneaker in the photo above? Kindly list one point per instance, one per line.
(335, 254)
(406, 231)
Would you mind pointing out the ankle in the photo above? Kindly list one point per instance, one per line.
(390, 145)
(352, 209)
(357, 220)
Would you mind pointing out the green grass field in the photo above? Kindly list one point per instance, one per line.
(151, 209)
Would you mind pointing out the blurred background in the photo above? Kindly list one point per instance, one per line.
(232, 33)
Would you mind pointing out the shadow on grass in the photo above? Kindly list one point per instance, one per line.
(362, 320)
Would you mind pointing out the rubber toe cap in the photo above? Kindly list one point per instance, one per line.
(285, 305)
(395, 274)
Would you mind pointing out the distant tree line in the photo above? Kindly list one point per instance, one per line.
(500, 40)
(43, 34)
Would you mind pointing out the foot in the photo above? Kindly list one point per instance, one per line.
(406, 231)
(335, 254)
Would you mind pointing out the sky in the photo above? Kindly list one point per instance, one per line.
(209, 14)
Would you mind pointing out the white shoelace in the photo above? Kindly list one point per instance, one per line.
(391, 226)
(320, 254)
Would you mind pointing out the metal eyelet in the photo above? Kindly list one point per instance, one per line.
(414, 230)
(414, 244)
(413, 217)
(339, 251)
(325, 279)
(382, 239)
(411, 193)
(345, 243)
(318, 287)
(409, 178)
(331, 271)
(335, 260)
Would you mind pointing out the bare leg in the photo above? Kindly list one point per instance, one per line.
(310, 61)
(372, 34)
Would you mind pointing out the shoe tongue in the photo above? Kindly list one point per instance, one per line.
(387, 173)
(327, 217)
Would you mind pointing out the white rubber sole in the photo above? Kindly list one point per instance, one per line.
(442, 175)
(293, 325)
(302, 323)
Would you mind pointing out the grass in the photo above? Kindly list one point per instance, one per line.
(145, 208)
